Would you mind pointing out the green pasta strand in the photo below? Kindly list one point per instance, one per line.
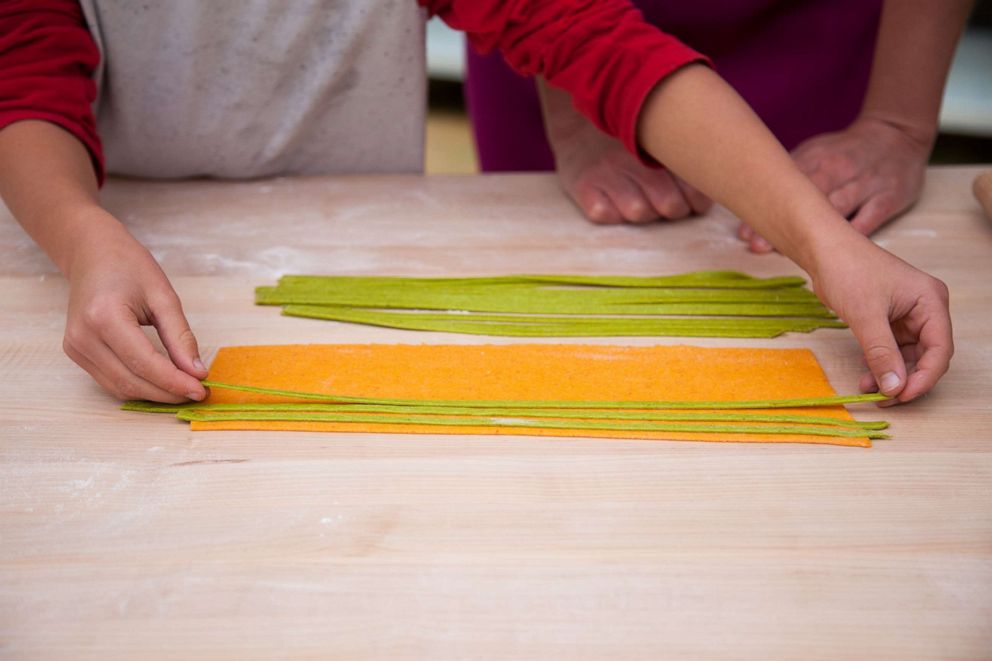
(536, 305)
(686, 416)
(488, 421)
(534, 326)
(702, 304)
(721, 279)
(805, 402)
(540, 299)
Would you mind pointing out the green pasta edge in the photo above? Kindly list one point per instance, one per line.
(685, 416)
(533, 423)
(804, 402)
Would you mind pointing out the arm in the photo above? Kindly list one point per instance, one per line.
(916, 42)
(48, 181)
(874, 169)
(599, 51)
(697, 125)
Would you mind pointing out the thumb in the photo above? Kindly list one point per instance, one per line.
(881, 353)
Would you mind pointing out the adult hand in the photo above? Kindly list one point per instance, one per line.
(871, 172)
(607, 183)
(116, 287)
(610, 186)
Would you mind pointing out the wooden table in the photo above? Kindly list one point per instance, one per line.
(128, 536)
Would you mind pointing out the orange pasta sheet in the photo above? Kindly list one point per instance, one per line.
(525, 372)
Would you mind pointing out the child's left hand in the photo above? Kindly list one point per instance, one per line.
(871, 172)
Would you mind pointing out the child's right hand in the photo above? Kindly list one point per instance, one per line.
(116, 286)
(899, 315)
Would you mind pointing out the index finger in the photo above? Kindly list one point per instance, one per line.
(935, 348)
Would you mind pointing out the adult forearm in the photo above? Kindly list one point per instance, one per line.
(48, 183)
(916, 42)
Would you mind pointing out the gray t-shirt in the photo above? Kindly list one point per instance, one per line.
(254, 88)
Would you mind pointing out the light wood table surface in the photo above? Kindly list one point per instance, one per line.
(128, 536)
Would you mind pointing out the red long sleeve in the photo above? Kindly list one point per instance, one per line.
(47, 58)
(600, 51)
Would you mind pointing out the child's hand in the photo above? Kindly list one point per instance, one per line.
(115, 287)
(607, 183)
(871, 172)
(898, 314)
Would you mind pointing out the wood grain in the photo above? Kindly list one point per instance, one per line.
(126, 536)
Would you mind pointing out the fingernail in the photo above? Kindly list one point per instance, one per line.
(889, 382)
(198, 364)
(195, 396)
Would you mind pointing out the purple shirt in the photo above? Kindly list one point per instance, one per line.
(802, 65)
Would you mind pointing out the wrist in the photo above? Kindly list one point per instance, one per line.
(921, 132)
(842, 244)
(82, 232)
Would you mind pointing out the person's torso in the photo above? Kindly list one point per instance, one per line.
(803, 65)
(251, 88)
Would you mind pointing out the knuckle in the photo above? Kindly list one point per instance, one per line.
(840, 199)
(188, 339)
(600, 214)
(941, 290)
(836, 160)
(136, 364)
(74, 337)
(125, 389)
(71, 351)
(164, 298)
(839, 166)
(179, 387)
(876, 353)
(636, 210)
(98, 312)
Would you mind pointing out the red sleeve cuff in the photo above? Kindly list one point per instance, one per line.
(89, 139)
(602, 52)
(47, 60)
(642, 84)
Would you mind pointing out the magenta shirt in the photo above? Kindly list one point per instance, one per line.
(802, 65)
